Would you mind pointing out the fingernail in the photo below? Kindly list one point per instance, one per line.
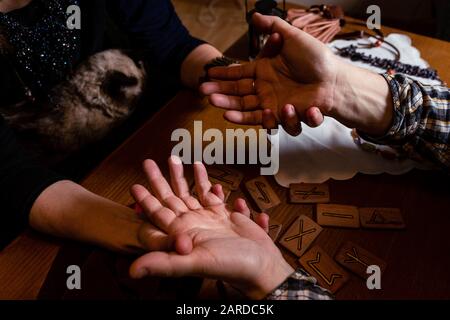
(291, 111)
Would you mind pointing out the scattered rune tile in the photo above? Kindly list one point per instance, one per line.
(381, 218)
(357, 259)
(309, 193)
(262, 193)
(274, 229)
(334, 215)
(226, 176)
(320, 265)
(226, 191)
(300, 235)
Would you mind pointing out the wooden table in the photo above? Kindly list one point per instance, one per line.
(418, 258)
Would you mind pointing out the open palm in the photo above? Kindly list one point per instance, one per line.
(210, 240)
(293, 69)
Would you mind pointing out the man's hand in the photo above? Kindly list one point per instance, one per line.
(210, 240)
(294, 70)
(298, 78)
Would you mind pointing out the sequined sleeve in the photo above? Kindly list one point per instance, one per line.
(421, 126)
(300, 286)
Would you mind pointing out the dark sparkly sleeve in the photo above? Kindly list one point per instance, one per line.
(421, 125)
(300, 286)
(154, 25)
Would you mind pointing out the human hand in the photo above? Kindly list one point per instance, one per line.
(293, 80)
(210, 240)
(298, 78)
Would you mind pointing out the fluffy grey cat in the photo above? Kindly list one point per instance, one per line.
(100, 94)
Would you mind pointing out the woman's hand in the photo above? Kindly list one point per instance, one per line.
(67, 210)
(210, 240)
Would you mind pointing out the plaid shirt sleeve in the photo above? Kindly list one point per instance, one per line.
(421, 126)
(300, 286)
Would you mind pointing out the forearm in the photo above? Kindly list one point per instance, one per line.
(192, 68)
(67, 210)
(420, 125)
(362, 100)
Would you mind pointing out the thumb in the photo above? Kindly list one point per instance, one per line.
(163, 264)
(272, 24)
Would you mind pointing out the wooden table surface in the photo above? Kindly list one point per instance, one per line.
(418, 258)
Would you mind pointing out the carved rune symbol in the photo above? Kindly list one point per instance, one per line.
(306, 194)
(337, 215)
(221, 176)
(354, 258)
(300, 235)
(264, 196)
(329, 281)
(377, 217)
(273, 227)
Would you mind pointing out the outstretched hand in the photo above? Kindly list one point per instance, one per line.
(210, 240)
(291, 81)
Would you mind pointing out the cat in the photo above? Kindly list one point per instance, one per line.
(100, 94)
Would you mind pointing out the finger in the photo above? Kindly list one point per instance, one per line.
(245, 118)
(247, 103)
(180, 185)
(290, 121)
(162, 189)
(262, 220)
(242, 71)
(183, 244)
(217, 189)
(235, 88)
(162, 264)
(203, 186)
(314, 117)
(160, 216)
(240, 205)
(154, 239)
(269, 121)
(272, 47)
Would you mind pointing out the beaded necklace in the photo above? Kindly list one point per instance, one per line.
(43, 51)
(391, 66)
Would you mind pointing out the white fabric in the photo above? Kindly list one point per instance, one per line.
(329, 151)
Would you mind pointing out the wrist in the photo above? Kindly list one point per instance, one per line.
(271, 279)
(361, 100)
(192, 68)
